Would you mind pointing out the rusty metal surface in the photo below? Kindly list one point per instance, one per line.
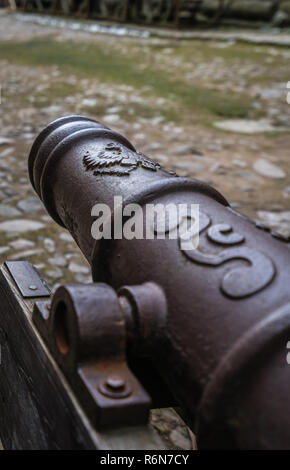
(38, 408)
(85, 332)
(226, 323)
(27, 279)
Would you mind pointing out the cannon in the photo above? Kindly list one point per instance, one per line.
(203, 327)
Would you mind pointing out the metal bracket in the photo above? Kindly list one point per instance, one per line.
(85, 331)
(27, 279)
(38, 408)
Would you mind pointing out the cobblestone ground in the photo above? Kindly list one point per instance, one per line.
(246, 157)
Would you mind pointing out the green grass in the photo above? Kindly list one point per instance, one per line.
(238, 54)
(234, 53)
(90, 60)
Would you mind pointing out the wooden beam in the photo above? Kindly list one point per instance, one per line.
(38, 409)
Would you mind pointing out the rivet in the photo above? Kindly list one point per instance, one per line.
(115, 386)
(115, 382)
(32, 287)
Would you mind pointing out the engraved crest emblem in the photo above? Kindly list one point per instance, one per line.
(117, 160)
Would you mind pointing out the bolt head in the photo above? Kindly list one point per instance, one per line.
(115, 386)
(115, 382)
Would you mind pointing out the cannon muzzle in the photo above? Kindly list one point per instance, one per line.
(212, 320)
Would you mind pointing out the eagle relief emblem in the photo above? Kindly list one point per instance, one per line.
(117, 160)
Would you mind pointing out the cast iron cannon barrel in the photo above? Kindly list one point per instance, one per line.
(222, 350)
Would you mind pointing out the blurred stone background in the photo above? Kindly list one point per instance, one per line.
(215, 110)
(276, 12)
